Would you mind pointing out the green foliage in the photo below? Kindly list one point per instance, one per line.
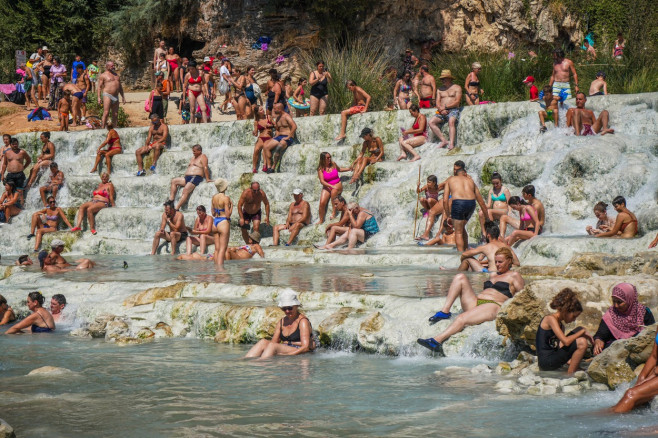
(94, 109)
(361, 60)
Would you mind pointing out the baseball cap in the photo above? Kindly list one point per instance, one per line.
(206, 59)
(297, 192)
(55, 243)
(529, 79)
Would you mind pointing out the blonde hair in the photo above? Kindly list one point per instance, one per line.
(476, 65)
(506, 252)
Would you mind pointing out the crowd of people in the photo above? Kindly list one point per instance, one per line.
(451, 203)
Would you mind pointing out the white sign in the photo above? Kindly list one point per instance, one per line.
(21, 57)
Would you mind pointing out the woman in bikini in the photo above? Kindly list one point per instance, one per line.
(40, 321)
(496, 201)
(331, 184)
(403, 90)
(222, 207)
(240, 101)
(626, 225)
(202, 229)
(7, 314)
(293, 334)
(431, 190)
(196, 88)
(435, 210)
(10, 204)
(162, 66)
(417, 133)
(102, 197)
(319, 82)
(175, 73)
(472, 85)
(527, 226)
(247, 251)
(372, 151)
(113, 143)
(502, 285)
(44, 159)
(46, 221)
(263, 130)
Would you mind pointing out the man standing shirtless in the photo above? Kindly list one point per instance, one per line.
(196, 171)
(156, 57)
(488, 251)
(285, 128)
(426, 88)
(177, 230)
(82, 86)
(299, 215)
(360, 105)
(250, 211)
(448, 99)
(14, 161)
(584, 122)
(460, 208)
(109, 88)
(562, 68)
(155, 140)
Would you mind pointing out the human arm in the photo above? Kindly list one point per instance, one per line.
(420, 189)
(149, 136)
(446, 200)
(471, 253)
(515, 259)
(8, 316)
(3, 166)
(87, 86)
(649, 366)
(368, 98)
(23, 324)
(107, 140)
(111, 192)
(564, 339)
(572, 67)
(204, 86)
(305, 337)
(323, 182)
(422, 126)
(306, 217)
(535, 219)
(293, 126)
(480, 200)
(267, 207)
(313, 79)
(123, 97)
(615, 230)
(396, 90)
(654, 243)
(61, 214)
(206, 171)
(259, 250)
(380, 146)
(358, 221)
(27, 158)
(240, 207)
(602, 336)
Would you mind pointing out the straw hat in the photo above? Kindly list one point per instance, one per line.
(255, 236)
(446, 74)
(221, 185)
(288, 298)
(55, 243)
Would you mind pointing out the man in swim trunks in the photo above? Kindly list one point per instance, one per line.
(459, 197)
(250, 211)
(448, 100)
(584, 122)
(469, 262)
(14, 161)
(109, 88)
(82, 86)
(426, 88)
(156, 56)
(562, 68)
(285, 128)
(549, 111)
(196, 171)
(177, 230)
(359, 105)
(299, 215)
(156, 140)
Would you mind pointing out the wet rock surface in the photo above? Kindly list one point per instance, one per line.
(6, 431)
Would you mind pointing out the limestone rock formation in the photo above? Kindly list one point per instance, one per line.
(6, 431)
(154, 294)
(50, 371)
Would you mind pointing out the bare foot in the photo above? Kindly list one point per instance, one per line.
(319, 222)
(443, 144)
(607, 131)
(340, 137)
(451, 147)
(93, 170)
(416, 158)
(401, 157)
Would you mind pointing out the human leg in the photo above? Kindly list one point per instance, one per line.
(601, 124)
(452, 130)
(36, 222)
(411, 143)
(355, 235)
(139, 156)
(156, 240)
(323, 105)
(91, 215)
(275, 233)
(157, 150)
(474, 316)
(581, 347)
(325, 195)
(273, 349)
(294, 231)
(258, 147)
(342, 239)
(435, 126)
(175, 238)
(42, 192)
(99, 157)
(258, 349)
(39, 235)
(108, 159)
(82, 211)
(343, 124)
(334, 193)
(637, 395)
(519, 235)
(175, 184)
(504, 221)
(221, 238)
(115, 112)
(461, 236)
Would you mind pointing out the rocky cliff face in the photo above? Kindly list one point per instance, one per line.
(233, 26)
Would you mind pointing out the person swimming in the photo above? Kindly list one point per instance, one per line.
(40, 321)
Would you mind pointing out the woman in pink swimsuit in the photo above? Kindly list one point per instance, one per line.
(331, 185)
(527, 226)
(102, 197)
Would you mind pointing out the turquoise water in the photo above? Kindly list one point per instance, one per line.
(191, 388)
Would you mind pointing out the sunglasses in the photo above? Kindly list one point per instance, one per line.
(287, 309)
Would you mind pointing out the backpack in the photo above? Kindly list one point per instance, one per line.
(39, 113)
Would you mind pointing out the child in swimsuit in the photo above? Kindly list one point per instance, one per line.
(431, 190)
(549, 112)
(63, 109)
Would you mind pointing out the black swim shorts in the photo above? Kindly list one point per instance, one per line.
(462, 209)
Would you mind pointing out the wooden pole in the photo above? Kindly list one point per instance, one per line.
(417, 202)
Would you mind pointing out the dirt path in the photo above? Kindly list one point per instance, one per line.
(13, 118)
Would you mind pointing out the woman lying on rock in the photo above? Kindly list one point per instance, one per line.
(293, 334)
(624, 319)
(502, 285)
(626, 225)
(646, 387)
(554, 348)
(40, 321)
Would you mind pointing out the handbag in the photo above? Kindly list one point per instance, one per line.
(149, 103)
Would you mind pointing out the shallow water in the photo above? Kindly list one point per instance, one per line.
(188, 387)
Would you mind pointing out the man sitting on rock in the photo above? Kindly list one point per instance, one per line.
(488, 251)
(250, 211)
(299, 215)
(197, 170)
(177, 230)
(448, 101)
(584, 122)
(359, 105)
(155, 140)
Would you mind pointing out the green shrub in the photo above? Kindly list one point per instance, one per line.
(362, 60)
(94, 109)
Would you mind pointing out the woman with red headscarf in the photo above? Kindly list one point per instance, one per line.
(624, 319)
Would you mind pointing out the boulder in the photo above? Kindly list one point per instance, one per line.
(50, 371)
(330, 323)
(616, 363)
(6, 431)
(519, 317)
(116, 329)
(97, 328)
(542, 389)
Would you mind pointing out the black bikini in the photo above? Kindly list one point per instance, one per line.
(37, 329)
(500, 286)
(294, 336)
